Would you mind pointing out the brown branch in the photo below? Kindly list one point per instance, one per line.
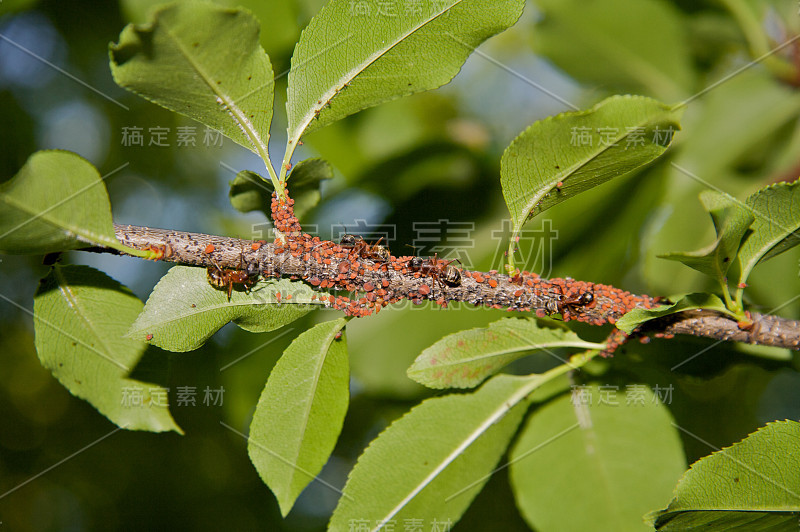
(766, 329)
(334, 269)
(381, 279)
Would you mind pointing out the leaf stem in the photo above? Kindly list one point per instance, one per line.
(739, 294)
(276, 182)
(291, 144)
(734, 307)
(511, 267)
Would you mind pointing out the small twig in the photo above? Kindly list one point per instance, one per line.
(766, 329)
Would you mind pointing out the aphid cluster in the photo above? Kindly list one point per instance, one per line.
(574, 300)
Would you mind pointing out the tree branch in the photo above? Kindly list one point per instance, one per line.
(333, 269)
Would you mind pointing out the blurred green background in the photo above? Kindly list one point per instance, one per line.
(403, 167)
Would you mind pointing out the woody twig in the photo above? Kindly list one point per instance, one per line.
(379, 279)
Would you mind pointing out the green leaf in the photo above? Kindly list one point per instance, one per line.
(56, 202)
(301, 412)
(282, 19)
(433, 461)
(306, 179)
(184, 310)
(347, 60)
(465, 358)
(636, 317)
(775, 229)
(205, 62)
(753, 482)
(581, 150)
(80, 318)
(731, 220)
(250, 192)
(593, 43)
(715, 521)
(614, 453)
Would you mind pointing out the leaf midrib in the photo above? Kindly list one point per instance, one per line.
(768, 244)
(199, 311)
(309, 403)
(530, 205)
(90, 236)
(530, 347)
(348, 76)
(73, 302)
(229, 104)
(491, 418)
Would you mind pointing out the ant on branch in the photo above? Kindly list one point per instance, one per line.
(375, 251)
(570, 305)
(441, 270)
(226, 278)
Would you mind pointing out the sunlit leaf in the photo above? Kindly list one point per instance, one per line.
(301, 412)
(433, 461)
(776, 227)
(184, 310)
(356, 55)
(56, 202)
(731, 220)
(752, 485)
(559, 157)
(205, 62)
(613, 452)
(80, 319)
(465, 358)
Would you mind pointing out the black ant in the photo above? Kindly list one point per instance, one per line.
(226, 278)
(441, 270)
(374, 251)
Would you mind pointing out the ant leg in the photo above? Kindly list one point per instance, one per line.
(554, 305)
(439, 282)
